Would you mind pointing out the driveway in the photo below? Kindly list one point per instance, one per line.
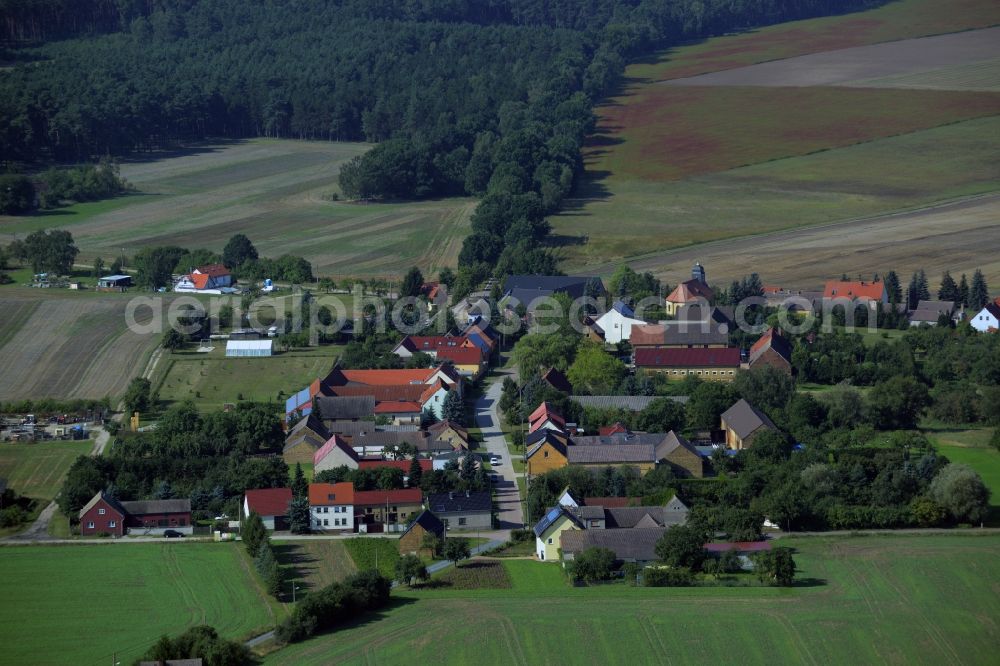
(487, 420)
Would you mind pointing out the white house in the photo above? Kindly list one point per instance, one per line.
(334, 453)
(618, 322)
(331, 506)
(987, 319)
(271, 504)
(210, 279)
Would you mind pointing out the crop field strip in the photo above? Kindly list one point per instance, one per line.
(276, 192)
(142, 590)
(37, 470)
(862, 600)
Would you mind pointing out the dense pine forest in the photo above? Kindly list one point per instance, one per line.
(491, 98)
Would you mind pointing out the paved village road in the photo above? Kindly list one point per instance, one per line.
(494, 442)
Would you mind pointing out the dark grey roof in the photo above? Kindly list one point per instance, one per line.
(443, 504)
(744, 419)
(551, 516)
(550, 437)
(526, 288)
(635, 403)
(695, 333)
(720, 314)
(637, 544)
(112, 502)
(311, 422)
(632, 516)
(610, 454)
(428, 521)
(670, 443)
(929, 311)
(354, 428)
(418, 439)
(332, 408)
(143, 507)
(589, 512)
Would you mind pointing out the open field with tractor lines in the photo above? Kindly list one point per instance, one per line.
(919, 600)
(277, 193)
(673, 167)
(37, 469)
(137, 591)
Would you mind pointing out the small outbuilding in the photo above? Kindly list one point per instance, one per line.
(413, 539)
(249, 348)
(114, 283)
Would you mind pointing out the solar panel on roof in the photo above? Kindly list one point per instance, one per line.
(553, 514)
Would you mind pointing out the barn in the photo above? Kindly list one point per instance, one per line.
(249, 348)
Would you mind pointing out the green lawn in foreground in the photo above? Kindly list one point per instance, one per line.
(37, 470)
(905, 600)
(369, 553)
(81, 604)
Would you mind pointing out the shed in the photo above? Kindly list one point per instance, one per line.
(114, 282)
(249, 348)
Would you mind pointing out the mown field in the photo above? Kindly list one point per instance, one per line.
(312, 565)
(913, 600)
(277, 193)
(84, 604)
(37, 470)
(679, 166)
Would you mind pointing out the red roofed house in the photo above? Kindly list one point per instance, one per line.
(429, 344)
(331, 506)
(772, 349)
(426, 464)
(210, 277)
(617, 428)
(335, 453)
(859, 291)
(544, 417)
(386, 510)
(271, 504)
(467, 361)
(713, 364)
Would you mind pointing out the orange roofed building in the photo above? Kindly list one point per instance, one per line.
(856, 290)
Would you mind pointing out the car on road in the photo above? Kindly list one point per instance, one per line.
(496, 460)
(173, 534)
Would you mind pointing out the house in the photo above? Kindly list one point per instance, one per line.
(745, 550)
(331, 506)
(468, 361)
(717, 316)
(839, 292)
(303, 440)
(463, 510)
(249, 348)
(525, 289)
(695, 290)
(742, 423)
(545, 418)
(413, 539)
(386, 510)
(988, 319)
(102, 515)
(557, 520)
(114, 283)
(617, 323)
(930, 312)
(638, 455)
(337, 409)
(271, 504)
(680, 454)
(147, 515)
(374, 442)
(567, 500)
(633, 545)
(334, 453)
(546, 454)
(557, 380)
(593, 330)
(452, 433)
(210, 279)
(430, 345)
(720, 365)
(772, 349)
(616, 428)
(703, 334)
(441, 461)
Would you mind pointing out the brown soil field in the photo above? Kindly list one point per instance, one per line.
(71, 348)
(960, 237)
(850, 66)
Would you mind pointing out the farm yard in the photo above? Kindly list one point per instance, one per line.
(677, 165)
(277, 192)
(139, 592)
(68, 348)
(899, 599)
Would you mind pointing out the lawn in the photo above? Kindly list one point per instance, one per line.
(970, 446)
(907, 600)
(369, 553)
(212, 379)
(313, 564)
(276, 192)
(55, 599)
(37, 469)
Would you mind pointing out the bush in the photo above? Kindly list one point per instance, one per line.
(199, 642)
(13, 516)
(961, 492)
(522, 535)
(593, 564)
(334, 605)
(662, 577)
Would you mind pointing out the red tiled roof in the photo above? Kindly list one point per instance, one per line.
(397, 407)
(335, 442)
(854, 289)
(388, 377)
(431, 343)
(615, 428)
(200, 281)
(689, 291)
(540, 411)
(425, 464)
(648, 334)
(373, 497)
(771, 340)
(331, 493)
(269, 501)
(212, 270)
(723, 357)
(461, 355)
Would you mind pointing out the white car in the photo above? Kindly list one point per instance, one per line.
(496, 460)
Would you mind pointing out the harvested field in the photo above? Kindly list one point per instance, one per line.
(71, 348)
(983, 75)
(843, 66)
(277, 193)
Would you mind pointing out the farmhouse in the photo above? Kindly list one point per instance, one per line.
(742, 423)
(249, 348)
(426, 464)
(772, 349)
(331, 506)
(557, 520)
(441, 461)
(303, 440)
(638, 455)
(593, 330)
(103, 514)
(930, 312)
(632, 403)
(617, 323)
(463, 510)
(271, 504)
(635, 545)
(525, 289)
(336, 410)
(334, 453)
(210, 279)
(700, 334)
(450, 432)
(385, 510)
(669, 448)
(987, 319)
(413, 539)
(546, 454)
(429, 344)
(855, 291)
(717, 365)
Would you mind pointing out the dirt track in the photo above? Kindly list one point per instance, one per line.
(959, 236)
(852, 66)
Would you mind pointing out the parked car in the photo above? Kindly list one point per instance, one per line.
(496, 460)
(172, 534)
